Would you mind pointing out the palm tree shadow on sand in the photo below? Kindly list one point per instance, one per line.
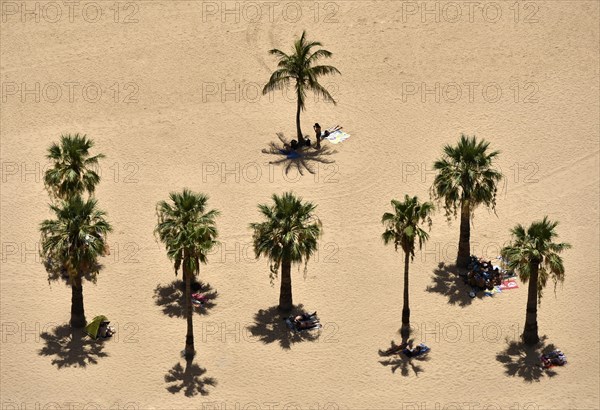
(171, 298)
(395, 359)
(308, 158)
(523, 361)
(447, 282)
(71, 347)
(269, 327)
(190, 379)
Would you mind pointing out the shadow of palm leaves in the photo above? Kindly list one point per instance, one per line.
(190, 380)
(447, 282)
(171, 298)
(269, 327)
(523, 361)
(308, 159)
(71, 347)
(397, 360)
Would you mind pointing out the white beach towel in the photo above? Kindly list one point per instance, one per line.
(337, 136)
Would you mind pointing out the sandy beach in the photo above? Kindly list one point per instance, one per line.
(170, 93)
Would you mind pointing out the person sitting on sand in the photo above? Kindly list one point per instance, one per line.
(305, 324)
(105, 330)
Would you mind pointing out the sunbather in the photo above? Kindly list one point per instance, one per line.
(420, 349)
(306, 324)
(555, 358)
(306, 320)
(394, 349)
(105, 330)
(306, 316)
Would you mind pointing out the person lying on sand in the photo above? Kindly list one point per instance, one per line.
(394, 349)
(306, 316)
(306, 321)
(307, 324)
(198, 299)
(328, 132)
(421, 348)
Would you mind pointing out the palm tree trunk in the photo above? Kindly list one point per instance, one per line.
(464, 244)
(405, 330)
(530, 333)
(285, 291)
(298, 129)
(189, 338)
(77, 310)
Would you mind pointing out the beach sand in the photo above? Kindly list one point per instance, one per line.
(179, 106)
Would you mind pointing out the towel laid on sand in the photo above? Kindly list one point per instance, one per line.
(493, 291)
(412, 353)
(509, 284)
(337, 136)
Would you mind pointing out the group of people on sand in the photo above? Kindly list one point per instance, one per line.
(554, 358)
(319, 136)
(483, 275)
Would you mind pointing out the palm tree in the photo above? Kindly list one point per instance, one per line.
(73, 167)
(188, 232)
(535, 257)
(402, 229)
(299, 66)
(288, 235)
(75, 238)
(466, 178)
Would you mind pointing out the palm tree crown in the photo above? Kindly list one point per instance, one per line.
(534, 247)
(73, 168)
(402, 226)
(290, 231)
(466, 173)
(186, 229)
(77, 236)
